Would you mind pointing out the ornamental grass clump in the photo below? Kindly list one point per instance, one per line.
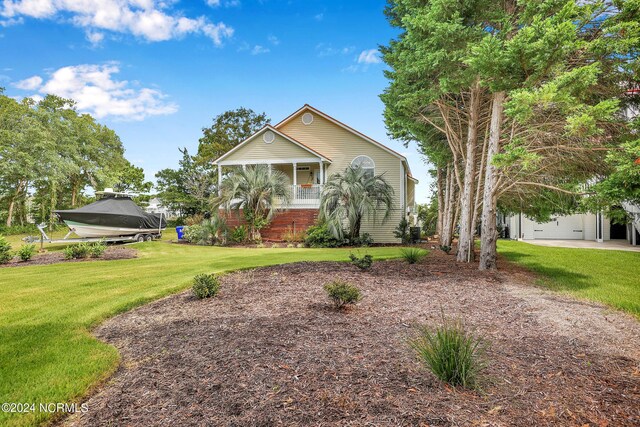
(451, 353)
(342, 293)
(206, 285)
(413, 255)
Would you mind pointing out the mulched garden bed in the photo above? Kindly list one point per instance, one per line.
(112, 253)
(270, 350)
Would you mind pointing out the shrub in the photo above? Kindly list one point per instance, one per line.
(193, 234)
(451, 353)
(25, 253)
(260, 245)
(363, 263)
(402, 231)
(413, 255)
(76, 251)
(318, 236)
(291, 245)
(291, 236)
(239, 234)
(274, 246)
(300, 245)
(5, 251)
(205, 285)
(363, 240)
(209, 232)
(194, 219)
(342, 293)
(96, 249)
(446, 249)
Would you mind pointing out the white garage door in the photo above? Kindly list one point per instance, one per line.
(562, 227)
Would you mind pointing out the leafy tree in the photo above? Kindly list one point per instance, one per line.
(187, 189)
(256, 191)
(227, 131)
(352, 196)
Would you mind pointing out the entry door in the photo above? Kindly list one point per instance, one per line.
(562, 227)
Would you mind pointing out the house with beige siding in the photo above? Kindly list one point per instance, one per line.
(308, 147)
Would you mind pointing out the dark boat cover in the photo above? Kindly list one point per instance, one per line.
(114, 212)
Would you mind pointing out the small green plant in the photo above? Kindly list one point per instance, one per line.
(77, 251)
(364, 240)
(342, 293)
(239, 234)
(96, 249)
(413, 255)
(5, 251)
(402, 231)
(274, 246)
(319, 236)
(300, 245)
(205, 285)
(260, 245)
(291, 236)
(291, 245)
(446, 249)
(26, 252)
(363, 263)
(451, 353)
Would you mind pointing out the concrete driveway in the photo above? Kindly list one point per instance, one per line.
(617, 245)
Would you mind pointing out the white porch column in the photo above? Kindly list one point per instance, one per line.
(269, 169)
(244, 167)
(321, 172)
(219, 180)
(633, 234)
(295, 174)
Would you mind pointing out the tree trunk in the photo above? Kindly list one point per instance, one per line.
(74, 194)
(12, 203)
(439, 183)
(465, 242)
(449, 199)
(52, 205)
(488, 248)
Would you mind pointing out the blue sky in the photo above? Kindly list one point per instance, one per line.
(158, 71)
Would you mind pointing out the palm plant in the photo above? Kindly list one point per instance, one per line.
(254, 190)
(351, 196)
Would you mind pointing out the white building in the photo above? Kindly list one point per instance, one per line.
(587, 226)
(156, 207)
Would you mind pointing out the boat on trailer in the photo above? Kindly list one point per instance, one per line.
(112, 215)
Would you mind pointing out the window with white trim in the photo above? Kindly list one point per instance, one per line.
(366, 163)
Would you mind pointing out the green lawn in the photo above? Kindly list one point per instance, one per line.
(47, 353)
(611, 277)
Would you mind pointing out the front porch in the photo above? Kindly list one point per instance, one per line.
(306, 179)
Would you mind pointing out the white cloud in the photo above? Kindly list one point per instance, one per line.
(32, 83)
(369, 57)
(96, 92)
(226, 3)
(273, 40)
(328, 50)
(95, 37)
(258, 50)
(319, 17)
(151, 20)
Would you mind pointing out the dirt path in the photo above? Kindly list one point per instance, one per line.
(270, 351)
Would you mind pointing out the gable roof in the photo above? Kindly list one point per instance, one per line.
(347, 128)
(277, 132)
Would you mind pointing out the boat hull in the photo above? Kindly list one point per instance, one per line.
(91, 230)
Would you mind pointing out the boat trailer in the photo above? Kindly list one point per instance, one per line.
(44, 238)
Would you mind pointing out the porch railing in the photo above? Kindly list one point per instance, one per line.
(305, 195)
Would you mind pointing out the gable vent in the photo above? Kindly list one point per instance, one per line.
(268, 137)
(307, 118)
